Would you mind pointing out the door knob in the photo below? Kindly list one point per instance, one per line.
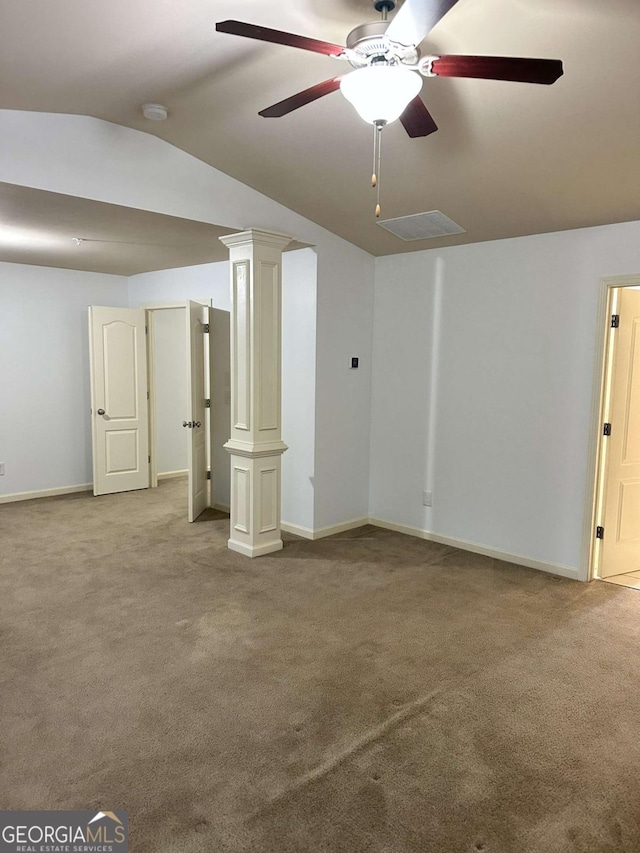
(101, 412)
(187, 424)
(196, 424)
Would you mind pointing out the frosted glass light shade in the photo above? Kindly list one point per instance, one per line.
(381, 92)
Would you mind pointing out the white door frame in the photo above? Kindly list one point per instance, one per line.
(596, 453)
(151, 372)
(198, 321)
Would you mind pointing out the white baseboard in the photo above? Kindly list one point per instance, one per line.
(254, 550)
(45, 493)
(69, 490)
(474, 547)
(305, 532)
(321, 532)
(169, 475)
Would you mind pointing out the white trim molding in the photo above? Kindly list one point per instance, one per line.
(590, 550)
(69, 490)
(162, 306)
(475, 548)
(245, 448)
(45, 493)
(322, 532)
(460, 544)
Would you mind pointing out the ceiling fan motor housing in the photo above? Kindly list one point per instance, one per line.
(368, 43)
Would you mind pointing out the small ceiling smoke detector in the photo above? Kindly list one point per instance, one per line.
(422, 226)
(155, 112)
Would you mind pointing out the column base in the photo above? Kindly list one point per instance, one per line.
(255, 502)
(254, 550)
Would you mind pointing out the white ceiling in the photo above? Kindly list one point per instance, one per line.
(509, 159)
(38, 227)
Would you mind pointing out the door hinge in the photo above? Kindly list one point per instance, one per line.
(615, 321)
(148, 398)
(207, 403)
(205, 328)
(146, 330)
(599, 532)
(208, 475)
(607, 429)
(149, 460)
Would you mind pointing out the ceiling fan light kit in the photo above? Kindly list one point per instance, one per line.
(388, 68)
(380, 93)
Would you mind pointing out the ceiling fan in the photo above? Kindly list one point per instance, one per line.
(389, 55)
(388, 63)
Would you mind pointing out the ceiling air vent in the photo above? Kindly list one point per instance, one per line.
(422, 226)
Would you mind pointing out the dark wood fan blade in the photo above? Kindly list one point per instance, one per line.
(302, 98)
(417, 120)
(251, 31)
(545, 71)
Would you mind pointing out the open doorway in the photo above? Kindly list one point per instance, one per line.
(169, 373)
(168, 393)
(615, 531)
(152, 399)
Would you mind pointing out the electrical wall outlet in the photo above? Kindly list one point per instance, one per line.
(1, 469)
(427, 499)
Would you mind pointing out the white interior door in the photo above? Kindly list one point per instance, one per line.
(119, 406)
(197, 318)
(621, 542)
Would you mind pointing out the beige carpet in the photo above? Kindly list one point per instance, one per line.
(367, 692)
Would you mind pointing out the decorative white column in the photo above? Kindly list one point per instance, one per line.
(256, 444)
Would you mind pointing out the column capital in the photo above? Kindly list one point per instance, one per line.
(256, 235)
(254, 451)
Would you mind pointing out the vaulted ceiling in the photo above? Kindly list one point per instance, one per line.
(508, 159)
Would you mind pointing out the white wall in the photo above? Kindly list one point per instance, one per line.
(483, 371)
(45, 421)
(204, 281)
(343, 396)
(170, 395)
(299, 279)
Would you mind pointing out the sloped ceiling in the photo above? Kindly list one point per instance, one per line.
(509, 159)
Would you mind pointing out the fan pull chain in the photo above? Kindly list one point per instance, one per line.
(378, 128)
(374, 177)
